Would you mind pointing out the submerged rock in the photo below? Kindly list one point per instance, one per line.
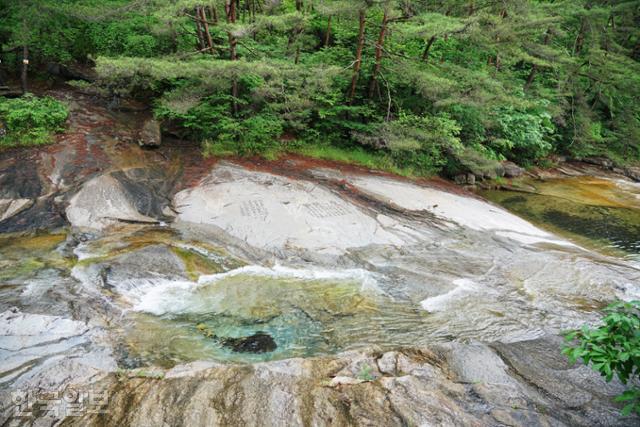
(259, 342)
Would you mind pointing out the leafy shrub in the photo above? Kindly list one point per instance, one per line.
(30, 120)
(613, 348)
(420, 142)
(129, 37)
(523, 136)
(256, 134)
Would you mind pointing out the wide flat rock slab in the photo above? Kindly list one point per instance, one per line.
(270, 211)
(455, 209)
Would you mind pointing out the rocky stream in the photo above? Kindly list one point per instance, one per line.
(155, 287)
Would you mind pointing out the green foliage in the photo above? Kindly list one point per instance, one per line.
(256, 134)
(522, 136)
(612, 349)
(365, 373)
(30, 120)
(419, 142)
(454, 83)
(357, 155)
(127, 37)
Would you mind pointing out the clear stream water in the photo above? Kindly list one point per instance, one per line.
(602, 214)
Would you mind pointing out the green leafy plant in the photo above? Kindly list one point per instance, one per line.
(31, 120)
(524, 136)
(612, 349)
(365, 373)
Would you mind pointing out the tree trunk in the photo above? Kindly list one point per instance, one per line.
(299, 5)
(379, 46)
(358, 62)
(205, 27)
(232, 12)
(214, 14)
(427, 48)
(174, 38)
(534, 67)
(25, 65)
(327, 35)
(580, 38)
(199, 29)
(230, 7)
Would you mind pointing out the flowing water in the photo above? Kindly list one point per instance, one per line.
(168, 299)
(603, 214)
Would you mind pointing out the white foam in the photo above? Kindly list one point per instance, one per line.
(161, 296)
(367, 278)
(158, 296)
(463, 288)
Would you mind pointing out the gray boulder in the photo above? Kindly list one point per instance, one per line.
(151, 134)
(511, 170)
(633, 173)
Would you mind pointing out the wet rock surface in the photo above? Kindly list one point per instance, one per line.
(434, 386)
(600, 212)
(47, 352)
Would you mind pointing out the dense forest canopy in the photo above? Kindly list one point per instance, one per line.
(430, 85)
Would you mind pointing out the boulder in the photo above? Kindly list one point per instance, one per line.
(151, 134)
(69, 73)
(465, 179)
(103, 202)
(135, 195)
(471, 161)
(599, 161)
(12, 207)
(633, 173)
(511, 170)
(257, 343)
(460, 179)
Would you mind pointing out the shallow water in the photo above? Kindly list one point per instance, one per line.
(305, 316)
(598, 213)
